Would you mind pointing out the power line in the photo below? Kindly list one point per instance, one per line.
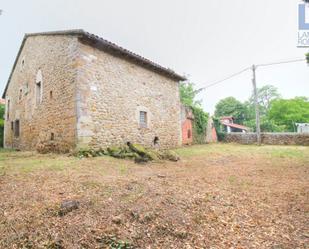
(280, 62)
(244, 70)
(227, 78)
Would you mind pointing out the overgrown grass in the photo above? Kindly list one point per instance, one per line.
(27, 162)
(296, 152)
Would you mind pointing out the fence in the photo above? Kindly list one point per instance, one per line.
(268, 138)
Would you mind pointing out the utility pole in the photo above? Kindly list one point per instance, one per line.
(257, 111)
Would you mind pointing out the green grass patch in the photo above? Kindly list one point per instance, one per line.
(299, 152)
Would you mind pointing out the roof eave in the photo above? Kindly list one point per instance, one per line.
(103, 44)
(100, 43)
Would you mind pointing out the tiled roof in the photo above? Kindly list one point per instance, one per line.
(237, 126)
(100, 43)
(2, 101)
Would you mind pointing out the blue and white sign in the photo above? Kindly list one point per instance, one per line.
(303, 25)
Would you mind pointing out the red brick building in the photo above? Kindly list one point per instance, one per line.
(187, 125)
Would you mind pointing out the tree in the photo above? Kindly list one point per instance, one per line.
(287, 112)
(266, 125)
(307, 56)
(231, 107)
(266, 94)
(188, 94)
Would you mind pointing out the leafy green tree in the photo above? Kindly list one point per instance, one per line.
(266, 125)
(1, 124)
(231, 107)
(188, 98)
(188, 94)
(266, 94)
(287, 112)
(307, 55)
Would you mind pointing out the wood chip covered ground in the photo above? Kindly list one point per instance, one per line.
(216, 196)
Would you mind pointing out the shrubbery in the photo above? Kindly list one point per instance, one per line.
(188, 98)
(130, 151)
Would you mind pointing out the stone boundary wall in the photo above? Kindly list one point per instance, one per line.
(268, 138)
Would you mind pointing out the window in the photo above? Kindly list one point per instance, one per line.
(12, 126)
(16, 128)
(52, 136)
(143, 119)
(39, 87)
(156, 140)
(38, 92)
(22, 64)
(51, 94)
(8, 110)
(27, 88)
(20, 94)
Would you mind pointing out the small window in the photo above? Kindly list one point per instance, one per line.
(143, 119)
(52, 136)
(51, 94)
(12, 126)
(156, 140)
(20, 94)
(38, 92)
(26, 88)
(22, 64)
(8, 110)
(16, 128)
(39, 87)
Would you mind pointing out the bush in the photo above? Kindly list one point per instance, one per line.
(221, 136)
(199, 124)
(131, 151)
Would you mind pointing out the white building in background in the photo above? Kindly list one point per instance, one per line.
(230, 126)
(302, 127)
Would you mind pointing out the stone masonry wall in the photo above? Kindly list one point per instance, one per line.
(111, 92)
(54, 57)
(269, 138)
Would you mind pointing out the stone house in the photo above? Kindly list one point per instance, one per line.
(72, 89)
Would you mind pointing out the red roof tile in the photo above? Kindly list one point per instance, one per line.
(237, 126)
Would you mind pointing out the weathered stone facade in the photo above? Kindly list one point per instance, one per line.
(112, 91)
(50, 60)
(89, 98)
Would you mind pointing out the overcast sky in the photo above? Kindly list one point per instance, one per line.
(204, 39)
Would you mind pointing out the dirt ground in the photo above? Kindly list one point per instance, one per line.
(216, 196)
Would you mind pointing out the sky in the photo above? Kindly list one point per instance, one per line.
(206, 40)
